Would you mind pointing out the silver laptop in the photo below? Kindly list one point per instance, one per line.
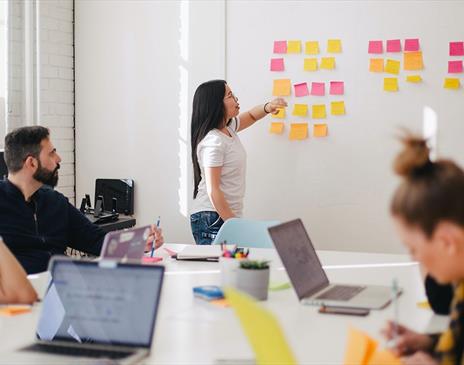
(127, 245)
(309, 279)
(95, 312)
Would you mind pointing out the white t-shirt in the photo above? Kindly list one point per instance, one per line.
(218, 149)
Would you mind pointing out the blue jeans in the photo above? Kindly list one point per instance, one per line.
(205, 226)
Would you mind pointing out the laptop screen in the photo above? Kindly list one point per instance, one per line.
(299, 257)
(127, 244)
(102, 303)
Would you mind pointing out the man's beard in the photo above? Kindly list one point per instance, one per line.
(47, 177)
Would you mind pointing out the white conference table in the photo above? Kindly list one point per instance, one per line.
(192, 331)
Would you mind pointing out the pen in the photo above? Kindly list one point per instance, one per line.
(154, 238)
(393, 341)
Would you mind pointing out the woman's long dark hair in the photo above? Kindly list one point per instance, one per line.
(207, 114)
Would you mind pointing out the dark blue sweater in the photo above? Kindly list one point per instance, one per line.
(35, 231)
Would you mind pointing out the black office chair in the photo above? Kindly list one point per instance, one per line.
(3, 169)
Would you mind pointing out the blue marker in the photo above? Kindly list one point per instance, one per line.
(154, 239)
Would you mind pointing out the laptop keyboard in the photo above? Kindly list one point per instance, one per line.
(77, 351)
(341, 292)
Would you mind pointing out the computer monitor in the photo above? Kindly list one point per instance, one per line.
(3, 169)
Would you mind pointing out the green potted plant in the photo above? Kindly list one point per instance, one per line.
(253, 278)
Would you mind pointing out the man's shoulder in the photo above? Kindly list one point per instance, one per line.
(51, 194)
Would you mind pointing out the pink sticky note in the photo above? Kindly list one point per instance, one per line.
(277, 64)
(456, 48)
(301, 89)
(411, 45)
(337, 87)
(454, 67)
(280, 46)
(394, 45)
(375, 47)
(318, 88)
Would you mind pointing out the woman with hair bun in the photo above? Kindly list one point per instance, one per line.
(428, 212)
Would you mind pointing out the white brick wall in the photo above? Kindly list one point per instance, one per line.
(56, 78)
(57, 83)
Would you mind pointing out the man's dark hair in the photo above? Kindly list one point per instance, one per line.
(22, 143)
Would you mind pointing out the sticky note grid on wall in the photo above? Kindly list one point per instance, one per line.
(455, 65)
(309, 101)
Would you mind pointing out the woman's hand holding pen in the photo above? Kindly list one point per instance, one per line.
(407, 341)
(273, 106)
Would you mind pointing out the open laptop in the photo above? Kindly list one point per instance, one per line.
(309, 279)
(95, 312)
(126, 245)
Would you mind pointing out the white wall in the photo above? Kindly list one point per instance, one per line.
(52, 89)
(341, 186)
(134, 88)
(137, 66)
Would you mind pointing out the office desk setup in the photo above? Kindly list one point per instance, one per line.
(192, 331)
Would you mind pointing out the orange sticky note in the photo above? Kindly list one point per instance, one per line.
(282, 87)
(312, 47)
(14, 310)
(413, 61)
(310, 64)
(280, 113)
(359, 348)
(376, 65)
(390, 84)
(298, 131)
(320, 130)
(452, 83)
(318, 111)
(328, 63)
(383, 357)
(294, 47)
(392, 67)
(276, 128)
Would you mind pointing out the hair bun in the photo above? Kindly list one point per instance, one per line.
(414, 157)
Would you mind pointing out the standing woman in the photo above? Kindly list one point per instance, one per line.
(218, 156)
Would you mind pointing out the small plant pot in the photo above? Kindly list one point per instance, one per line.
(253, 282)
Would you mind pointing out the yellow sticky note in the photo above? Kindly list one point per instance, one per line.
(262, 330)
(319, 111)
(383, 357)
(451, 83)
(392, 67)
(359, 348)
(334, 46)
(280, 113)
(376, 65)
(414, 78)
(282, 87)
(413, 61)
(328, 63)
(294, 47)
(298, 131)
(424, 305)
(300, 110)
(310, 64)
(390, 84)
(320, 130)
(312, 47)
(337, 108)
(276, 128)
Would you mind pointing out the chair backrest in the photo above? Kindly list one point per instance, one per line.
(246, 233)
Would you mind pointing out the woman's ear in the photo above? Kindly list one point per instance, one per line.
(450, 236)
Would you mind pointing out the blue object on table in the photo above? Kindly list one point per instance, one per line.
(208, 292)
